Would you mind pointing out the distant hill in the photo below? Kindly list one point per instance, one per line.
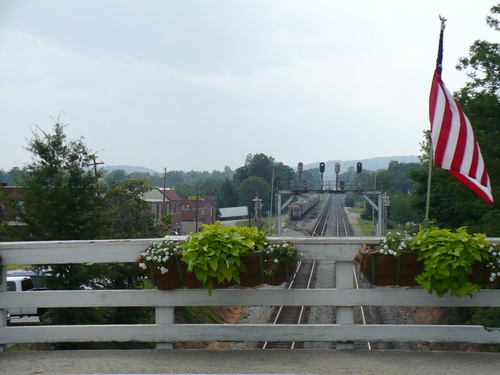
(372, 164)
(129, 169)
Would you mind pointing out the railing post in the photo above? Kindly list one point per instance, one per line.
(3, 288)
(164, 315)
(344, 280)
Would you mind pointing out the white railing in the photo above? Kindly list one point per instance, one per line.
(164, 332)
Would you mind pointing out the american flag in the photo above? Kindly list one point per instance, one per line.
(453, 142)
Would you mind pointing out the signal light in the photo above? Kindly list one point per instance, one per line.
(300, 167)
(322, 167)
(337, 167)
(342, 185)
(359, 167)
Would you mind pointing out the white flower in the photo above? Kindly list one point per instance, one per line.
(163, 270)
(276, 261)
(142, 265)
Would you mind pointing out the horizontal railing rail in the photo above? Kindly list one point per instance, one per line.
(341, 251)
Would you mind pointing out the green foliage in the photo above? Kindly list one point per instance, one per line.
(448, 257)
(11, 177)
(486, 316)
(64, 201)
(249, 188)
(482, 64)
(130, 216)
(398, 184)
(62, 197)
(227, 195)
(400, 211)
(215, 252)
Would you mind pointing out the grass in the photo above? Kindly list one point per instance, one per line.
(15, 266)
(365, 226)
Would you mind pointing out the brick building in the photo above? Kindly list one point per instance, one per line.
(197, 211)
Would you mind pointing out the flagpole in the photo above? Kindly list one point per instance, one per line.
(429, 175)
(439, 65)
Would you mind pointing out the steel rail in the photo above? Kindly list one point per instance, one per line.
(302, 308)
(363, 317)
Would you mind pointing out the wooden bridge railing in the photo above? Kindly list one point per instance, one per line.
(165, 332)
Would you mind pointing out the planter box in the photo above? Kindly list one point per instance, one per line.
(178, 275)
(380, 269)
(383, 270)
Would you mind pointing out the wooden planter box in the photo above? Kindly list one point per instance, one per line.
(178, 275)
(382, 270)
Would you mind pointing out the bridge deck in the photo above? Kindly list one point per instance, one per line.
(247, 362)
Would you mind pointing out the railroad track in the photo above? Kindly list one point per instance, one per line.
(333, 221)
(304, 278)
(322, 222)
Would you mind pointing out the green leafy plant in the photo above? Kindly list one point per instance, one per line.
(215, 253)
(448, 257)
(283, 252)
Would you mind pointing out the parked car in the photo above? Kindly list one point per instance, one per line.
(17, 283)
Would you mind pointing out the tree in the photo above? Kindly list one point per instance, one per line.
(129, 215)
(10, 178)
(483, 63)
(62, 200)
(400, 176)
(62, 197)
(284, 176)
(258, 165)
(227, 194)
(115, 176)
(252, 186)
(399, 210)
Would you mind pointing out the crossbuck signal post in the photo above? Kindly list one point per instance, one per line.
(330, 187)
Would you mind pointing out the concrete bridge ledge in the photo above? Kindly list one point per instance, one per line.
(248, 362)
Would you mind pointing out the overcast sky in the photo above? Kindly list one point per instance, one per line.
(198, 85)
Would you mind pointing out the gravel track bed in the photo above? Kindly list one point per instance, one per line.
(326, 314)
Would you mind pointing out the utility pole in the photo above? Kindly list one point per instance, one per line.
(258, 209)
(95, 165)
(164, 188)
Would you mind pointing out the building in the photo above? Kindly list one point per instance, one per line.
(196, 211)
(7, 213)
(173, 206)
(234, 213)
